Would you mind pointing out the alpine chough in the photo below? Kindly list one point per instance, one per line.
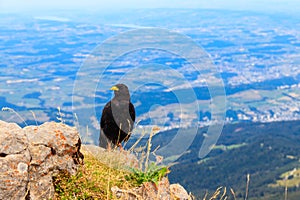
(117, 118)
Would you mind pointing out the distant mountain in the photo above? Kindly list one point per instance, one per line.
(263, 150)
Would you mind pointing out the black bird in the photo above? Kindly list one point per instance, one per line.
(118, 118)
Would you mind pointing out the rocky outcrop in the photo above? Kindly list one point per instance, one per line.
(30, 157)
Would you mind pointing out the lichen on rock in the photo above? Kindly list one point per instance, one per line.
(30, 157)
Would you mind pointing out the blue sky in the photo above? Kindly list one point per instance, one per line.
(257, 5)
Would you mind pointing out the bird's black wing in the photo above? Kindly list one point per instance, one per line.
(108, 124)
(132, 113)
(131, 122)
(106, 116)
(105, 123)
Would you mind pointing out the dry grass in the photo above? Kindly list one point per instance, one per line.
(221, 194)
(92, 181)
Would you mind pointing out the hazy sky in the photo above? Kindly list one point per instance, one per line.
(260, 5)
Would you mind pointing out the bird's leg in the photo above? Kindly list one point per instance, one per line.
(120, 146)
(118, 141)
(108, 147)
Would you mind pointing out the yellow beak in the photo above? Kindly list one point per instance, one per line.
(114, 88)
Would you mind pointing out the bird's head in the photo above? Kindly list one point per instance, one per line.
(121, 91)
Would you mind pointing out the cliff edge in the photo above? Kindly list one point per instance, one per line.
(48, 162)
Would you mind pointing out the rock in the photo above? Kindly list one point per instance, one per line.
(149, 191)
(14, 162)
(178, 192)
(30, 157)
(125, 194)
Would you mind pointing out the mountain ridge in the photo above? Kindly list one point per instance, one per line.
(263, 150)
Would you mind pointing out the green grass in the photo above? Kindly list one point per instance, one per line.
(229, 147)
(288, 179)
(153, 174)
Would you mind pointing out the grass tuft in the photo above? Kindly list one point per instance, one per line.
(92, 181)
(221, 193)
(153, 174)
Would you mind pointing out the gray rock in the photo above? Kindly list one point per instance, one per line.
(30, 157)
(14, 162)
